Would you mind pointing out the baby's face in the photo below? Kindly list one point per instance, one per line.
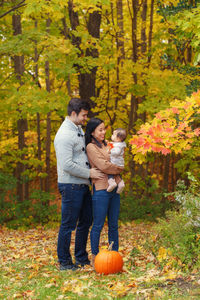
(114, 137)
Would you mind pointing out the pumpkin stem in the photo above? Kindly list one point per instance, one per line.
(110, 246)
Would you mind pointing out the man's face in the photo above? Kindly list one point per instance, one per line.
(81, 118)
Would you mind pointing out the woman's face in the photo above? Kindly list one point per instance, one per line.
(99, 132)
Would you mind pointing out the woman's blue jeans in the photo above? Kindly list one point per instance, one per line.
(105, 204)
(76, 214)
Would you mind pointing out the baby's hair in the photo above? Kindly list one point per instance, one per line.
(121, 134)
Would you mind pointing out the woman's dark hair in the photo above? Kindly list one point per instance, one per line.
(91, 126)
(77, 104)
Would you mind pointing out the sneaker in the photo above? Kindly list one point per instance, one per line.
(82, 264)
(111, 185)
(68, 267)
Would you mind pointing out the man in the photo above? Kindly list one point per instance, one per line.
(73, 184)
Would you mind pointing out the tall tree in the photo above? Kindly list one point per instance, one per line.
(22, 125)
(87, 79)
(48, 120)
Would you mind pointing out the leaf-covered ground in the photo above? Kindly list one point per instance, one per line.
(29, 269)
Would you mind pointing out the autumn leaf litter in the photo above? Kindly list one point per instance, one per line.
(31, 256)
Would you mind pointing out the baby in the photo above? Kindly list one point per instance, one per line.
(117, 157)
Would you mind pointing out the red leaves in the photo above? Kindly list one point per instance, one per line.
(147, 146)
(165, 151)
(197, 131)
(170, 130)
(175, 110)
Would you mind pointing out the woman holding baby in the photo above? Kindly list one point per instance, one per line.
(106, 195)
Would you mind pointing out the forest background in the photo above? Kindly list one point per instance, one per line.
(135, 61)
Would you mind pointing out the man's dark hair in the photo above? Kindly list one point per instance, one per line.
(121, 134)
(77, 104)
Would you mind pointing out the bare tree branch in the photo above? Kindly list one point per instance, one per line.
(13, 8)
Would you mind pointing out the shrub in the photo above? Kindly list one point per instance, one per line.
(145, 202)
(179, 232)
(189, 199)
(35, 210)
(7, 196)
(41, 211)
(142, 207)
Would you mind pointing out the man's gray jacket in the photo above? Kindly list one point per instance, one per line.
(72, 161)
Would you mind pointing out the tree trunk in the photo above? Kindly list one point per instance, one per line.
(143, 29)
(166, 172)
(143, 47)
(74, 21)
(67, 36)
(134, 99)
(22, 186)
(48, 152)
(150, 31)
(39, 154)
(48, 120)
(120, 32)
(120, 53)
(22, 125)
(36, 77)
(86, 80)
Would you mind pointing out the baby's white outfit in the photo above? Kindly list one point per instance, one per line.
(117, 158)
(117, 153)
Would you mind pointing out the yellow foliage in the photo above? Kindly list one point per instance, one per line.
(162, 254)
(10, 143)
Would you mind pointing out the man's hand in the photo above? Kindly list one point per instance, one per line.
(96, 174)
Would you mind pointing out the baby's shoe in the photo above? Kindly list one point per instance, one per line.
(111, 185)
(121, 186)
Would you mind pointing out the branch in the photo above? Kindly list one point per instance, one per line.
(14, 8)
(129, 10)
(35, 79)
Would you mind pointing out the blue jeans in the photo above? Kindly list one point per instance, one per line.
(105, 204)
(76, 214)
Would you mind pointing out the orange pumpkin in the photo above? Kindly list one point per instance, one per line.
(108, 262)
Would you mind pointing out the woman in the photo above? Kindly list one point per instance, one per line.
(104, 203)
